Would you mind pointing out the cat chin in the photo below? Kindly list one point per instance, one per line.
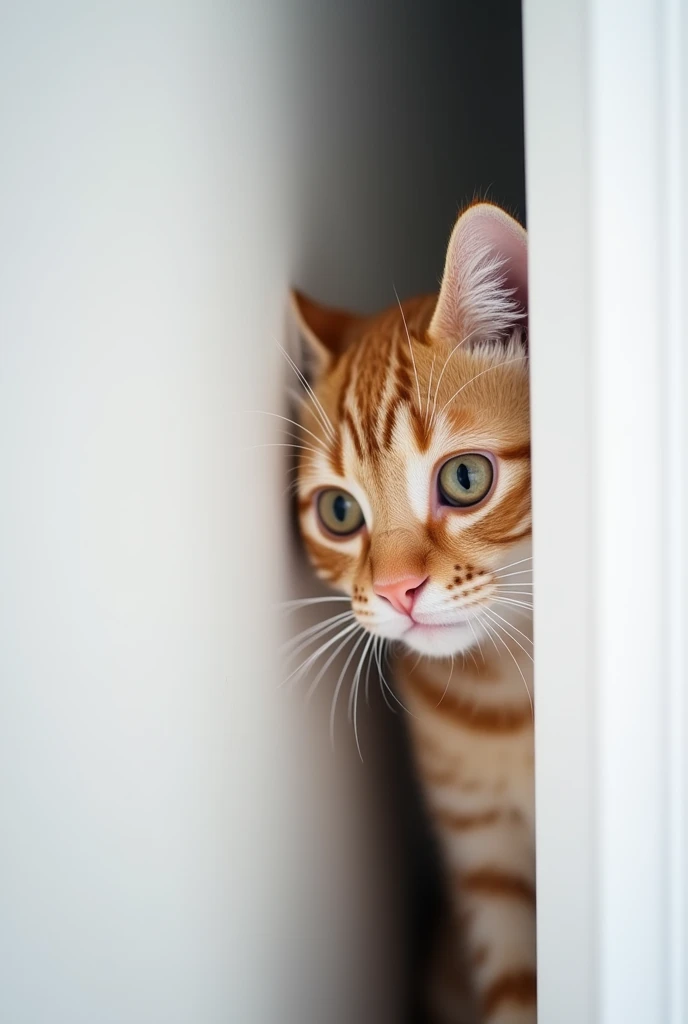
(439, 641)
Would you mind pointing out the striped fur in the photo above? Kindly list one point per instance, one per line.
(399, 394)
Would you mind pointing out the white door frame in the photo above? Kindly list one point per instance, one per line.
(606, 110)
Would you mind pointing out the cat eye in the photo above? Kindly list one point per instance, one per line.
(339, 512)
(465, 479)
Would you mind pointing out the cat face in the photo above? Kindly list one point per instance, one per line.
(414, 481)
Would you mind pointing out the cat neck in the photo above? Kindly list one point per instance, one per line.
(500, 668)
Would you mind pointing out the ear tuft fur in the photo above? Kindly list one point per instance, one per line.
(484, 292)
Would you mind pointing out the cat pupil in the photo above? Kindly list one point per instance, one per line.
(339, 507)
(463, 477)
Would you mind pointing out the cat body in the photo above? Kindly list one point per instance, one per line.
(414, 500)
(475, 759)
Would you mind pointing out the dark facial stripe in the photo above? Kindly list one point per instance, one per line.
(421, 431)
(519, 987)
(512, 537)
(370, 388)
(454, 820)
(468, 713)
(334, 562)
(350, 359)
(479, 955)
(390, 420)
(353, 430)
(522, 452)
(407, 386)
(507, 516)
(367, 367)
(337, 455)
(494, 882)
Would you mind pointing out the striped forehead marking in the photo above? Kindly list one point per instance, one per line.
(377, 385)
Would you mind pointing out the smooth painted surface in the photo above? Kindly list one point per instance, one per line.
(606, 147)
(557, 164)
(140, 881)
(629, 329)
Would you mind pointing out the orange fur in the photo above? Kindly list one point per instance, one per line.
(399, 394)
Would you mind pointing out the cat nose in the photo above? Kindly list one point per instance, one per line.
(400, 593)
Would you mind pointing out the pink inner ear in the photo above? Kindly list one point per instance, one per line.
(507, 239)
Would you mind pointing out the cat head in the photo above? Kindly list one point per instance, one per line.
(414, 479)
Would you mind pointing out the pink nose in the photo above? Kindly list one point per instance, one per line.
(400, 593)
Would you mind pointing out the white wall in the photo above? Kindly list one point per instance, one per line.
(139, 786)
(606, 113)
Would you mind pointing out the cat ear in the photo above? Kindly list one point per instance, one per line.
(325, 332)
(484, 290)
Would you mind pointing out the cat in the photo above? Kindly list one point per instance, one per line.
(414, 501)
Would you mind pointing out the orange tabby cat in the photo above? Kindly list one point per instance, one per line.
(414, 500)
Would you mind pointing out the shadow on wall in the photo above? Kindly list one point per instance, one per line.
(405, 112)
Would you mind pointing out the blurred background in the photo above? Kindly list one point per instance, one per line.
(180, 841)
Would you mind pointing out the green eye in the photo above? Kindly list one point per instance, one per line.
(339, 512)
(465, 479)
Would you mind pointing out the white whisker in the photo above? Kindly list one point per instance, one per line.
(354, 691)
(314, 685)
(355, 676)
(301, 399)
(284, 444)
(385, 684)
(477, 640)
(278, 416)
(297, 437)
(504, 630)
(313, 632)
(528, 558)
(342, 676)
(525, 613)
(376, 652)
(439, 379)
(504, 362)
(444, 692)
(484, 623)
(427, 411)
(299, 602)
(515, 661)
(370, 664)
(511, 626)
(413, 360)
(521, 583)
(298, 672)
(307, 664)
(510, 600)
(322, 415)
(514, 593)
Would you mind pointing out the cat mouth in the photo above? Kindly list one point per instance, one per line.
(440, 639)
(417, 626)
